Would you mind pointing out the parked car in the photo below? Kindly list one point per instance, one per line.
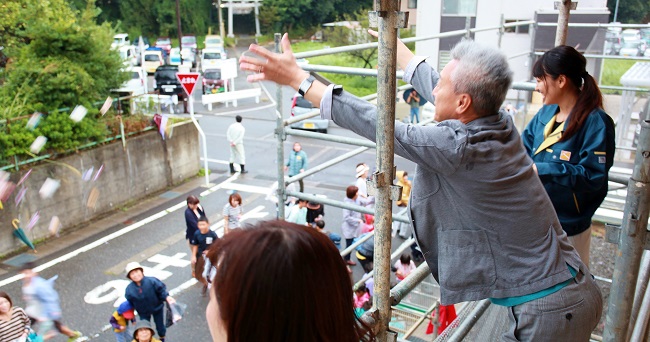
(632, 48)
(175, 56)
(645, 35)
(153, 58)
(189, 41)
(212, 82)
(165, 81)
(164, 43)
(213, 41)
(300, 106)
(211, 58)
(612, 42)
(137, 84)
(128, 55)
(120, 39)
(631, 35)
(188, 56)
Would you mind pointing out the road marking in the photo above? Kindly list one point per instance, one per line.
(247, 188)
(114, 235)
(218, 186)
(216, 161)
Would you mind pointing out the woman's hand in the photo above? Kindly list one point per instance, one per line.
(171, 300)
(280, 68)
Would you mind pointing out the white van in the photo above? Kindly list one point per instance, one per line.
(120, 39)
(152, 60)
(137, 84)
(128, 55)
(212, 58)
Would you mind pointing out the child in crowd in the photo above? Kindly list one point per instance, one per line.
(120, 321)
(336, 238)
(298, 213)
(361, 296)
(200, 242)
(144, 332)
(368, 225)
(404, 267)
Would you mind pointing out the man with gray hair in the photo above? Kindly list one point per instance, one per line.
(480, 214)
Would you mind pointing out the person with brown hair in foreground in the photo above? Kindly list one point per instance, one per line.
(281, 282)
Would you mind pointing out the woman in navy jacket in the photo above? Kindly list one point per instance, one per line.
(571, 142)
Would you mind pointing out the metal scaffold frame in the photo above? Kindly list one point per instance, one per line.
(388, 19)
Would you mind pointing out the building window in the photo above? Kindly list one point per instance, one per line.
(523, 29)
(444, 57)
(413, 4)
(459, 7)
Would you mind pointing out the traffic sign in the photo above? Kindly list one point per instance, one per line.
(188, 81)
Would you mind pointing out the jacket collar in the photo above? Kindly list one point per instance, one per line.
(551, 136)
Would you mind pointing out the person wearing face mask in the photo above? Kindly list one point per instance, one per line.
(571, 142)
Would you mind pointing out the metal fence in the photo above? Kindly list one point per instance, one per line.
(414, 290)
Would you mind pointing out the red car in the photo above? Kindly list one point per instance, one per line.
(212, 82)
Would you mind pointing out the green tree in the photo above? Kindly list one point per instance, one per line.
(630, 11)
(356, 33)
(67, 62)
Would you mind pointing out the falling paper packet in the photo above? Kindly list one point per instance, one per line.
(99, 172)
(78, 113)
(20, 195)
(34, 120)
(92, 198)
(33, 221)
(49, 187)
(106, 106)
(38, 144)
(6, 187)
(55, 225)
(88, 174)
(24, 178)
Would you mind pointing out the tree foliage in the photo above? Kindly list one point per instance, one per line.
(158, 17)
(287, 15)
(60, 58)
(630, 11)
(354, 34)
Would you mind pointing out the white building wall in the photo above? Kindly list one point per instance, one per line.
(489, 15)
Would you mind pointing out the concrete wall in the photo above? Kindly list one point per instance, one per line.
(148, 164)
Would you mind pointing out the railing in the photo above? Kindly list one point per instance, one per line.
(386, 73)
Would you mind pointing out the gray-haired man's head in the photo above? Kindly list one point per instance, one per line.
(483, 73)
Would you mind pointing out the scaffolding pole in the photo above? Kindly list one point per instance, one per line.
(280, 134)
(631, 242)
(564, 8)
(382, 180)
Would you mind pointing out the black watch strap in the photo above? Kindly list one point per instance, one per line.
(306, 84)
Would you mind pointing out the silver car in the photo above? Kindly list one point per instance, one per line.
(300, 106)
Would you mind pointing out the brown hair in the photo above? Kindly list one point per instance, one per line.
(191, 199)
(6, 296)
(351, 191)
(567, 61)
(234, 196)
(279, 281)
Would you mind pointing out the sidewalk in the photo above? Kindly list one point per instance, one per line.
(120, 216)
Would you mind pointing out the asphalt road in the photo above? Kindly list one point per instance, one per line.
(91, 280)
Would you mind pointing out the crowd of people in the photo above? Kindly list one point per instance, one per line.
(497, 215)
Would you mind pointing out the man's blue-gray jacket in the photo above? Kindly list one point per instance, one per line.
(480, 213)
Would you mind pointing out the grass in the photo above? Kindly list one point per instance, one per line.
(613, 69)
(357, 85)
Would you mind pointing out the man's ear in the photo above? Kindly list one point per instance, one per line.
(463, 103)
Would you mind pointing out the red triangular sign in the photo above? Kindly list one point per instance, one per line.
(188, 81)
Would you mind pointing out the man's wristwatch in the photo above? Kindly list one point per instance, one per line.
(305, 85)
